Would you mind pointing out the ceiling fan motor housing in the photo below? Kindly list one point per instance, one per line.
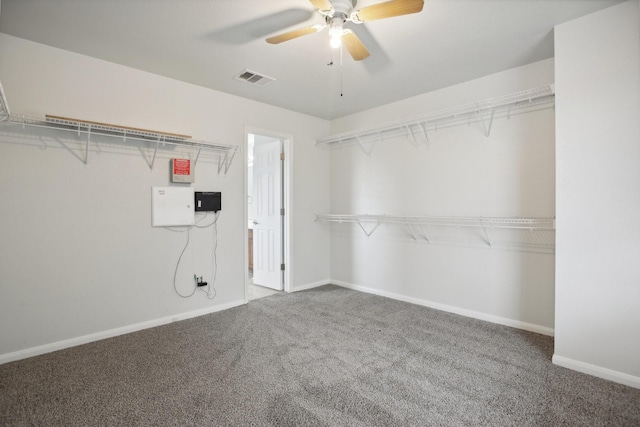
(340, 14)
(343, 7)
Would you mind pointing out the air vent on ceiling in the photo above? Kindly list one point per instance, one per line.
(254, 78)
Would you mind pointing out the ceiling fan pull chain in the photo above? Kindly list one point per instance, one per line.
(341, 72)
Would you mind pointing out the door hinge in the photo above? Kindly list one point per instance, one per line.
(282, 267)
(281, 156)
(281, 211)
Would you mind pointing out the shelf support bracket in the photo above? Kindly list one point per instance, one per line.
(222, 160)
(426, 236)
(368, 153)
(413, 234)
(370, 232)
(487, 236)
(195, 162)
(411, 134)
(487, 130)
(229, 160)
(153, 159)
(86, 147)
(424, 132)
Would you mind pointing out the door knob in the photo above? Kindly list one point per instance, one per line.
(255, 222)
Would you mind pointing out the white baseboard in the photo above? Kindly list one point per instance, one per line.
(310, 285)
(72, 342)
(451, 309)
(597, 371)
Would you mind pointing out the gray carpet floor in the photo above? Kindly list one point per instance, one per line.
(327, 356)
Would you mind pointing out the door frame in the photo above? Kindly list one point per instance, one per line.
(287, 195)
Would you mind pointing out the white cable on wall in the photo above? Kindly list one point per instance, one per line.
(210, 287)
(175, 273)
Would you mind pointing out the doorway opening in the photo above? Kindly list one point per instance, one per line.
(267, 214)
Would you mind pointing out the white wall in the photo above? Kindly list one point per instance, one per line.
(79, 258)
(598, 194)
(462, 173)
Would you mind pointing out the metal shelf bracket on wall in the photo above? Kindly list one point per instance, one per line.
(155, 151)
(4, 106)
(424, 133)
(377, 223)
(413, 233)
(366, 151)
(225, 162)
(411, 135)
(488, 236)
(487, 128)
(86, 147)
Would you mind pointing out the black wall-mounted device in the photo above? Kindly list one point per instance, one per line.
(208, 201)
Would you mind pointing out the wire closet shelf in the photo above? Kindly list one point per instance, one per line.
(225, 153)
(528, 233)
(417, 128)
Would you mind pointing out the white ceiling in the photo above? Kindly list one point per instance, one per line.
(208, 42)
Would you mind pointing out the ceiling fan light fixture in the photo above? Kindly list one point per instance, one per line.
(336, 32)
(336, 40)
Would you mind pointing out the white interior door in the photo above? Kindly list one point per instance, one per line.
(267, 224)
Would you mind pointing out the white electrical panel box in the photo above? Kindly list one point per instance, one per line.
(172, 206)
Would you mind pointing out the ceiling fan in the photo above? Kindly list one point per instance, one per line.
(337, 12)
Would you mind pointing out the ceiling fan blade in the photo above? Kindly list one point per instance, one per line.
(294, 34)
(321, 4)
(389, 9)
(356, 48)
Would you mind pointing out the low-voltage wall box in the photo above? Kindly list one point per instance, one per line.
(172, 206)
(208, 201)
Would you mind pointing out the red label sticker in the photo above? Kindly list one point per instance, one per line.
(181, 167)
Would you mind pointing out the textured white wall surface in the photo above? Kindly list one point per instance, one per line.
(78, 254)
(598, 194)
(462, 172)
